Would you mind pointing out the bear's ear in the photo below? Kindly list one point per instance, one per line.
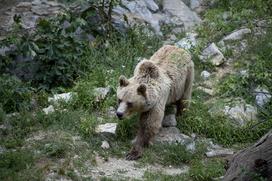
(123, 82)
(142, 90)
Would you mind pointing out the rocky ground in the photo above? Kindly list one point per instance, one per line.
(67, 143)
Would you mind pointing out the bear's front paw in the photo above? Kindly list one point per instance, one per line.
(133, 155)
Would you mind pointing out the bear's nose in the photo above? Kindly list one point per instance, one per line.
(119, 115)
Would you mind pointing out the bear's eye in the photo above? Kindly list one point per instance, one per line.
(129, 104)
(119, 101)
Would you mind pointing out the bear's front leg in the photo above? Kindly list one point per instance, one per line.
(150, 123)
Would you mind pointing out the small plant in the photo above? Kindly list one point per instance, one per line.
(206, 170)
(14, 94)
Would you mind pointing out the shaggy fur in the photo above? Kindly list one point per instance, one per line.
(165, 79)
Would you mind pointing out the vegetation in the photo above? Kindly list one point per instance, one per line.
(64, 59)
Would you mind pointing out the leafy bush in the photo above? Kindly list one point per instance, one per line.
(14, 94)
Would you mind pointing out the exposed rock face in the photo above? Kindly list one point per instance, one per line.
(174, 12)
(181, 13)
(29, 12)
(213, 55)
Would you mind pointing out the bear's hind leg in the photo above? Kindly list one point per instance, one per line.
(185, 101)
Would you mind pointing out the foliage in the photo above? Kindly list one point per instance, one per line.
(197, 119)
(14, 94)
(206, 170)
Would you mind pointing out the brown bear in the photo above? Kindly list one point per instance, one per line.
(165, 79)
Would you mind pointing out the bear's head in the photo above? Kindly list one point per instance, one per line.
(132, 97)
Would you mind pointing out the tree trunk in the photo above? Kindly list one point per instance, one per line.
(253, 162)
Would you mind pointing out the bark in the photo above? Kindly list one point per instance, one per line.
(253, 162)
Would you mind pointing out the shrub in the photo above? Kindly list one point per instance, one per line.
(14, 94)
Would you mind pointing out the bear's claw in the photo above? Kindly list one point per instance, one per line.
(133, 155)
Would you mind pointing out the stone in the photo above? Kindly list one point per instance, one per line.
(205, 75)
(213, 55)
(219, 153)
(191, 146)
(237, 35)
(151, 5)
(171, 135)
(178, 9)
(140, 10)
(111, 112)
(105, 145)
(169, 121)
(206, 90)
(188, 42)
(241, 113)
(66, 97)
(194, 4)
(49, 109)
(2, 150)
(106, 128)
(101, 93)
(262, 96)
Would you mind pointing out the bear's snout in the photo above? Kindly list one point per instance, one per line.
(119, 115)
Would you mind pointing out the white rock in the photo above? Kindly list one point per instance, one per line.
(219, 153)
(105, 145)
(178, 9)
(188, 42)
(262, 96)
(244, 72)
(205, 75)
(101, 93)
(106, 128)
(169, 121)
(241, 113)
(151, 5)
(212, 54)
(49, 109)
(66, 97)
(237, 35)
(206, 90)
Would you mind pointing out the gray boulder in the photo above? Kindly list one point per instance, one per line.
(237, 35)
(188, 42)
(262, 96)
(213, 55)
(181, 14)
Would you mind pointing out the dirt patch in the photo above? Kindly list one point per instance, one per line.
(120, 168)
